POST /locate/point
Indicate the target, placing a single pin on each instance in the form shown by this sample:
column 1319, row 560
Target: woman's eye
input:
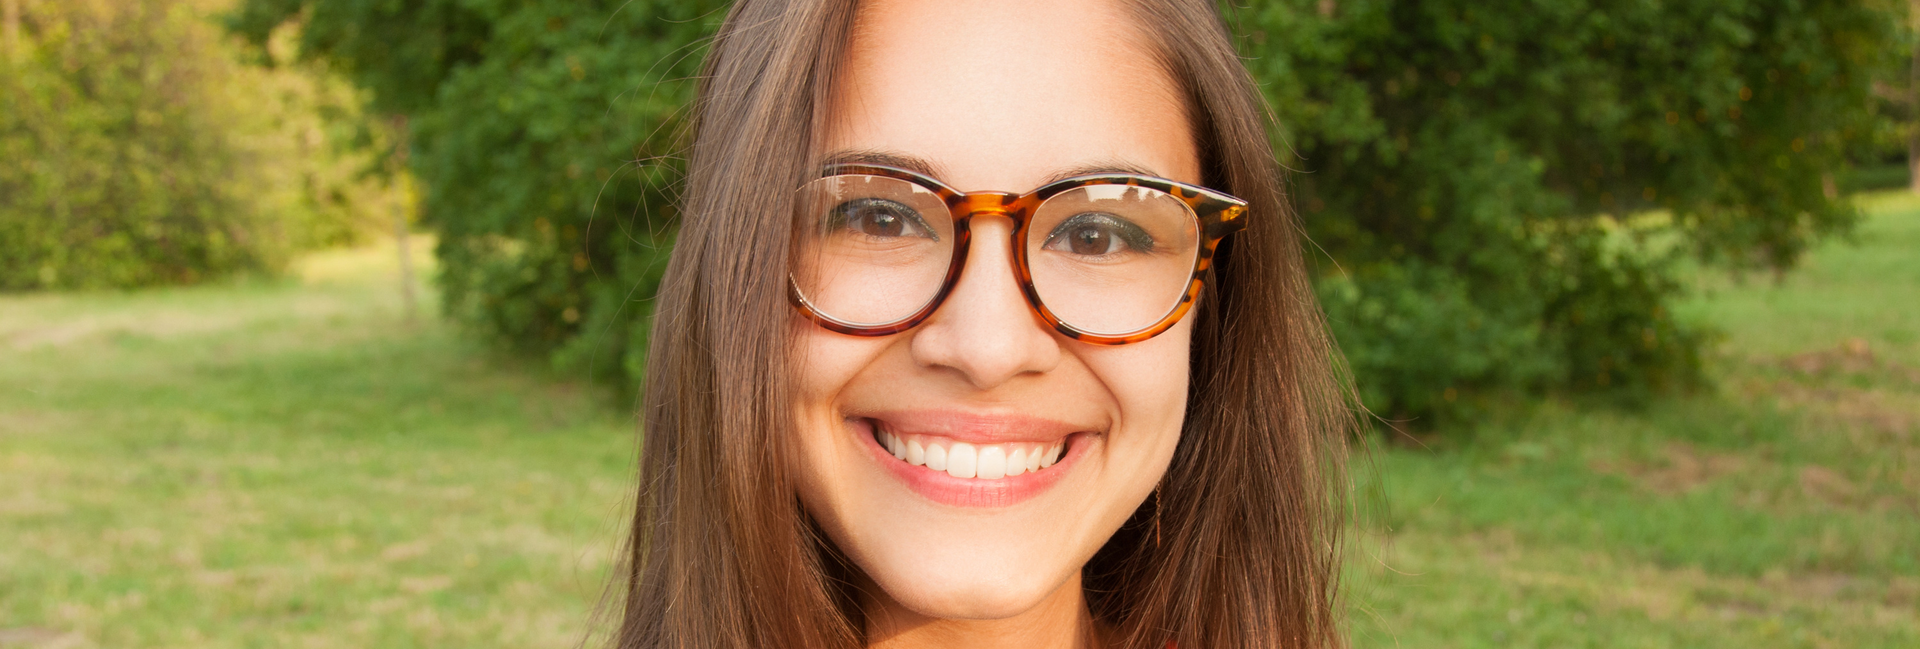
column 878, row 217
column 1095, row 234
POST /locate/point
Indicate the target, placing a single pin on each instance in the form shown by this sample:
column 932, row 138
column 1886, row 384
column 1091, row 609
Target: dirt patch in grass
column 1865, row 411
column 23, row 421
column 1839, row 378
column 1890, row 416
column 36, row 638
column 1853, row 357
column 1547, row 585
column 1827, row 486
column 1878, row 429
column 1681, row 468
column 1667, row 593
column 167, row 322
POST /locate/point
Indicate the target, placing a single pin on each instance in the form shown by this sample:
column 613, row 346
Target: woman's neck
column 1061, row 621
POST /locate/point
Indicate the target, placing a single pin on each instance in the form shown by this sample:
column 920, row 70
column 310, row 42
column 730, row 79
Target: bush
column 140, row 152
column 1502, row 187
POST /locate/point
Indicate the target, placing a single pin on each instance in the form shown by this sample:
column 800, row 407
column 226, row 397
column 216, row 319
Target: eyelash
column 840, row 218
column 1129, row 233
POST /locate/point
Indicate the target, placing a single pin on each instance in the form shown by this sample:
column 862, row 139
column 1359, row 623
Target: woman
column 890, row 404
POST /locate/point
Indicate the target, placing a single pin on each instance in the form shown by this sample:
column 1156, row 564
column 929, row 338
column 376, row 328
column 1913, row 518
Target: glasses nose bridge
column 1013, row 207
column 973, row 204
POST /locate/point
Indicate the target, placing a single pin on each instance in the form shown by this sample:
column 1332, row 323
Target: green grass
column 1781, row 508
column 289, row 463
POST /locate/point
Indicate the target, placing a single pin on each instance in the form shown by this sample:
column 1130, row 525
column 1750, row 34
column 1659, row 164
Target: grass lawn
column 1779, row 509
column 289, row 463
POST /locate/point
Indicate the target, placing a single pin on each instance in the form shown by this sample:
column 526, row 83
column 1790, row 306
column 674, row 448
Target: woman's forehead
column 1004, row 95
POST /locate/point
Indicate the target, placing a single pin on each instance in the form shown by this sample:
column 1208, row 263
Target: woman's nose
column 985, row 330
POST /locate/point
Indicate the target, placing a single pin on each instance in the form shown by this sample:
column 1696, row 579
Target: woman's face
column 992, row 96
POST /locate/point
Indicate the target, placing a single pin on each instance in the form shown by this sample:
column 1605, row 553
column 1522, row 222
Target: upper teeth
column 964, row 460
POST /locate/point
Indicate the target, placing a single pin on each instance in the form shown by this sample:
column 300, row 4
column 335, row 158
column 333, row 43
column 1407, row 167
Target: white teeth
column 993, row 463
column 966, row 460
column 962, row 460
column 937, row 457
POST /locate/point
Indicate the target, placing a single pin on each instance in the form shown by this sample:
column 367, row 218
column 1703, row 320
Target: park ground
column 292, row 463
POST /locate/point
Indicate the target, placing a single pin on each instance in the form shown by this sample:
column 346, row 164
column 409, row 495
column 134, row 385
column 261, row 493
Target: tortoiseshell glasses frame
column 1217, row 215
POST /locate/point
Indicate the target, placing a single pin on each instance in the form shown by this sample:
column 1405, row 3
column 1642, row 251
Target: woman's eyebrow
column 930, row 169
column 1099, row 168
column 893, row 159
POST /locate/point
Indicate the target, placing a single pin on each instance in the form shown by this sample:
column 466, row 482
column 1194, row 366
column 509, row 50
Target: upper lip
column 975, row 428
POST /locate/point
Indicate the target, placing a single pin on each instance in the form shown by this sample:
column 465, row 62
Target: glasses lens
column 1112, row 259
column 870, row 250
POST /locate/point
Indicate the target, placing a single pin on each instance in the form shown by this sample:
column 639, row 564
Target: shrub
column 1501, row 188
column 140, row 152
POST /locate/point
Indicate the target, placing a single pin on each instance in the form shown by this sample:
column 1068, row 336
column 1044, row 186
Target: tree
column 139, row 151
column 1501, row 187
column 543, row 138
column 1913, row 99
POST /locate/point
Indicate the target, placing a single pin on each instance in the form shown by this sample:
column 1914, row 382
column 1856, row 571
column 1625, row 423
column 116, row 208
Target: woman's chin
column 975, row 595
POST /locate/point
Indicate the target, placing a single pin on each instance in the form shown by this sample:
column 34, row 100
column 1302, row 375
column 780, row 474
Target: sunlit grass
column 1867, row 289
column 290, row 463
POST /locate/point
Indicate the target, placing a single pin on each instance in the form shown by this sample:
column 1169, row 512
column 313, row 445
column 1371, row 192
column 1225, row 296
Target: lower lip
column 945, row 489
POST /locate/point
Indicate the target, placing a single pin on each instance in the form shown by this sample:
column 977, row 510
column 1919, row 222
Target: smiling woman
column 987, row 326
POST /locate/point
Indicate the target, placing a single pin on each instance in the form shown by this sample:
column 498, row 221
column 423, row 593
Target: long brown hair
column 1238, row 548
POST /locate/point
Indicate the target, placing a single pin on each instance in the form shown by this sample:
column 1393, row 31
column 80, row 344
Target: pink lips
column 946, row 489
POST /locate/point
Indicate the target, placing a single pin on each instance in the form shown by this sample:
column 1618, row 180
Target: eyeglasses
column 1107, row 259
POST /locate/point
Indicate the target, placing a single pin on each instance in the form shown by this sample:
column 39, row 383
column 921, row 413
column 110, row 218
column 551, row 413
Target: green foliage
column 1895, row 117
column 139, row 151
column 1502, row 187
column 543, row 135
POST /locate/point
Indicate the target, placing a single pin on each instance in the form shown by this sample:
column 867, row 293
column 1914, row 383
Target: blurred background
column 320, row 321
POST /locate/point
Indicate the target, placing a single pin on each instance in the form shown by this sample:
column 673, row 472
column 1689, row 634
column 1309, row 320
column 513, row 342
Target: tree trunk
column 1913, row 99
column 400, row 226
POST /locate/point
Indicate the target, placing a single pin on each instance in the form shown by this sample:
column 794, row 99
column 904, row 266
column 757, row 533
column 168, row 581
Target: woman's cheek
column 1148, row 380
column 825, row 364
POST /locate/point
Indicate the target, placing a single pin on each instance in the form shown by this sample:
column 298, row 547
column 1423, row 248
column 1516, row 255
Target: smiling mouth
column 965, row 460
